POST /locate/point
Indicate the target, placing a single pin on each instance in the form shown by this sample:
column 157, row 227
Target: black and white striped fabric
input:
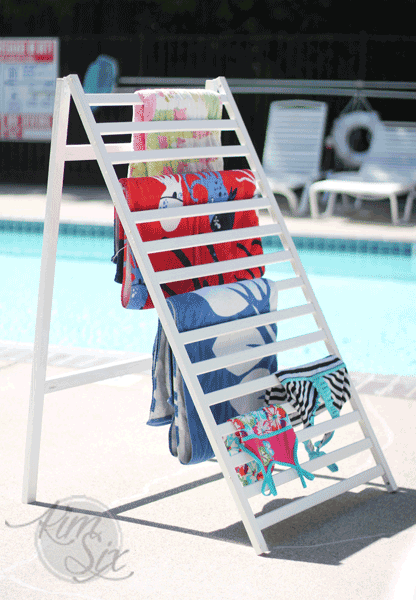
column 310, row 389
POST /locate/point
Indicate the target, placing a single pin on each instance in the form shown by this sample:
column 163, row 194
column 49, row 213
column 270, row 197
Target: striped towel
column 311, row 389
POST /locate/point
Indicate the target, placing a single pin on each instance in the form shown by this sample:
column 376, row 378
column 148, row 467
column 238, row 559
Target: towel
column 176, row 105
column 171, row 105
column 171, row 401
column 321, row 385
column 168, row 191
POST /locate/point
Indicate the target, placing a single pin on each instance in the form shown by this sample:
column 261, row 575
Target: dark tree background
column 66, row 17
column 292, row 39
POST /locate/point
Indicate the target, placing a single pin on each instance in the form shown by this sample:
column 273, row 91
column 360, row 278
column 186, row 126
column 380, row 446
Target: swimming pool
column 368, row 299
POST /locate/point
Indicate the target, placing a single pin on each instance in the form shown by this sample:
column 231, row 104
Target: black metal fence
column 371, row 58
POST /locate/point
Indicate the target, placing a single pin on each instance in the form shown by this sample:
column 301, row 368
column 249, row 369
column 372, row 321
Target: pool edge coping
column 375, row 384
column 309, row 241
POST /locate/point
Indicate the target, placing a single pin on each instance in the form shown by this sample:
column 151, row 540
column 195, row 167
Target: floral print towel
column 176, row 105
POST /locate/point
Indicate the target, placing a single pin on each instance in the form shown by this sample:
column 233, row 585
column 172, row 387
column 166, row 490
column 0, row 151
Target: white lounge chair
column 293, row 148
column 388, row 172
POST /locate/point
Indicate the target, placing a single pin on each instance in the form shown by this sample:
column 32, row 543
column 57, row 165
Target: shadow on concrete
column 325, row 534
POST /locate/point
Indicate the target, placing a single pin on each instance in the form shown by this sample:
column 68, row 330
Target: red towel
column 146, row 193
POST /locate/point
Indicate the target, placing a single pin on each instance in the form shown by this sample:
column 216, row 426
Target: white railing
column 324, row 87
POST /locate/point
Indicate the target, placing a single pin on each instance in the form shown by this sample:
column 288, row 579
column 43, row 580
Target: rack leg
column 47, row 275
column 376, row 450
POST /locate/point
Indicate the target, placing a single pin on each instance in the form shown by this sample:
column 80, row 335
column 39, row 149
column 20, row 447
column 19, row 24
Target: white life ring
column 345, row 125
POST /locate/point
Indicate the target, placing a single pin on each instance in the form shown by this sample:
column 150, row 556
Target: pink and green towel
column 176, row 105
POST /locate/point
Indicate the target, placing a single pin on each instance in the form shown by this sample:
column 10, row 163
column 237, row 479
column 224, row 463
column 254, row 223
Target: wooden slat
column 243, row 389
column 226, row 428
column 199, row 210
column 314, row 465
column 225, row 266
column 275, row 316
column 221, row 362
column 86, row 151
column 289, row 474
column 213, row 237
column 112, row 99
column 297, row 506
column 306, row 434
column 161, row 126
column 259, row 352
column 288, row 284
column 331, row 425
column 118, row 158
column 63, row 382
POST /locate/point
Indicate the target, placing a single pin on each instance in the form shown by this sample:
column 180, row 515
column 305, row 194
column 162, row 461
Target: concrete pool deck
column 179, row 524
column 93, row 205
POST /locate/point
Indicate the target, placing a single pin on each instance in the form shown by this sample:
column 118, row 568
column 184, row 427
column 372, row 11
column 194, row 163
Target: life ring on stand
column 355, row 127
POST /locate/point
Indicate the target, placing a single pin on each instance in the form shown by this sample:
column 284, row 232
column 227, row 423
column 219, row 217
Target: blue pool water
column 368, row 301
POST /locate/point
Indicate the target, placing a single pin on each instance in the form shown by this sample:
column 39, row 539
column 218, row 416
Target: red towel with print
column 169, row 191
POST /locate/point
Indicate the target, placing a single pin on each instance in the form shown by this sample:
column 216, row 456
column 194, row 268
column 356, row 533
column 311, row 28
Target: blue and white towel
column 171, row 401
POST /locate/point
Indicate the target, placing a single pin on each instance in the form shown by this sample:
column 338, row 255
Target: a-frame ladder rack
column 109, row 154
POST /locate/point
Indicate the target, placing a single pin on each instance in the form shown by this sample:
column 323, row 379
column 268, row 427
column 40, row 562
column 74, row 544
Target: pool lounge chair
column 107, row 155
column 293, row 148
column 387, row 173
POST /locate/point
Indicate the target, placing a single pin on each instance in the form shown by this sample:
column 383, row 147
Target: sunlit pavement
column 180, row 532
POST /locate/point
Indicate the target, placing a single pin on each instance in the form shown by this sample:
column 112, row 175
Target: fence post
column 363, row 46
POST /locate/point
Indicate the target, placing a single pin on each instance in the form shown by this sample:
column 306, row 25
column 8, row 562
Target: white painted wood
column 199, row 210
column 87, row 152
column 317, row 431
column 47, row 276
column 229, row 393
column 330, row 425
column 214, row 237
column 290, row 284
column 376, row 450
column 234, row 264
column 164, row 315
column 257, row 353
column 226, row 428
column 286, row 474
column 118, row 158
column 297, row 506
column 109, row 154
column 161, row 126
column 205, row 333
column 316, row 464
column 94, row 374
column 112, row 99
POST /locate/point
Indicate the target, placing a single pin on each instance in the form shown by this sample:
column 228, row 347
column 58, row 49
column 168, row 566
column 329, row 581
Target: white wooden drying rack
column 109, row 154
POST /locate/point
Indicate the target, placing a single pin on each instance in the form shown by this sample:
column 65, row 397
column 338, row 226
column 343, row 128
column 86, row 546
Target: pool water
column 368, row 301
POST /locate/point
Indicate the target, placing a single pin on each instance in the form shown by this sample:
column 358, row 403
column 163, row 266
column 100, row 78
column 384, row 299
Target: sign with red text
column 28, row 72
